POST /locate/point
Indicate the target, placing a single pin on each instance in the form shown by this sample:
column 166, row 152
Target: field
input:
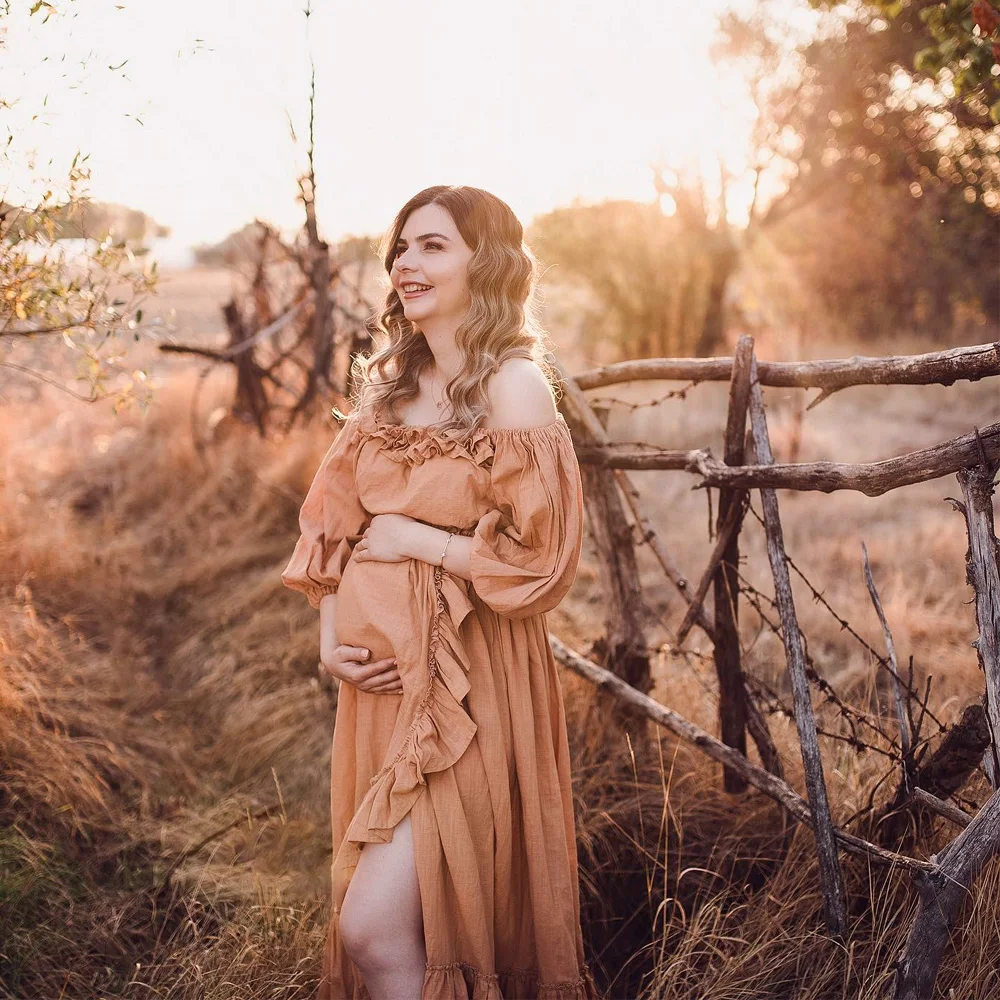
column 166, row 739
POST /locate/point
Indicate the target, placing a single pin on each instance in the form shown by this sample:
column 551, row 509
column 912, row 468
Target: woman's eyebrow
column 426, row 236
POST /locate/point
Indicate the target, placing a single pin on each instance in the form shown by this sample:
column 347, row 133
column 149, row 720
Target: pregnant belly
column 373, row 601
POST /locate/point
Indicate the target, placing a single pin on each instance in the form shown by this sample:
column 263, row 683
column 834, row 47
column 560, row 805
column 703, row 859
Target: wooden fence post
column 829, row 863
column 942, row 894
column 983, row 574
column 726, row 586
column 738, row 713
column 623, row 646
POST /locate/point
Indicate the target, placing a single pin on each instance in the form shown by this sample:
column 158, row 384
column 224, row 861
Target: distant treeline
column 85, row 218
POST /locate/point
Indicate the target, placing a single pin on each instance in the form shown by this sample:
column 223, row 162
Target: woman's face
column 431, row 252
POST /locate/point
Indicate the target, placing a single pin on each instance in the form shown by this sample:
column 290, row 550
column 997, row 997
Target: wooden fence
column 925, row 780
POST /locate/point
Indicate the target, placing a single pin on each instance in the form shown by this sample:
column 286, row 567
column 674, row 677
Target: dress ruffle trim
column 415, row 444
column 441, row 729
column 461, row 981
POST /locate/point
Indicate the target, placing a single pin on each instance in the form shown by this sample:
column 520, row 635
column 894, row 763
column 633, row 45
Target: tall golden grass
column 164, row 740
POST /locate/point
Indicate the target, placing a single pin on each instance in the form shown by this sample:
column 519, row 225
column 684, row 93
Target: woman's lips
column 415, row 294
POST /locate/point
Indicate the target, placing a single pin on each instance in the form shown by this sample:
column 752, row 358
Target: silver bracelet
column 445, row 549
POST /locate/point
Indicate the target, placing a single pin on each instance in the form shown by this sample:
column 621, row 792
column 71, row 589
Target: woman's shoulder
column 520, row 396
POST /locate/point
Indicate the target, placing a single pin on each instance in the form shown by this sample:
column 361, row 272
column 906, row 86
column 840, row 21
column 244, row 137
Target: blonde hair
column 501, row 321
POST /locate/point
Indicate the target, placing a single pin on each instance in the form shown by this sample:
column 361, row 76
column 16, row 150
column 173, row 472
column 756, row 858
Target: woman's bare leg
column 381, row 921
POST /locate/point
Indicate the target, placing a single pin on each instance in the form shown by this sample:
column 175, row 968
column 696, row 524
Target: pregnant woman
column 444, row 521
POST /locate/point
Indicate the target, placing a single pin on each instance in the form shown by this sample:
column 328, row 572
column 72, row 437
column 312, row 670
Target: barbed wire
column 765, row 695
column 845, row 625
column 658, row 401
column 848, row 712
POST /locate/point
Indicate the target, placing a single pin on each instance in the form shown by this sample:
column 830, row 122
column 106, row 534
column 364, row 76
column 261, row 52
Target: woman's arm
column 427, row 543
column 327, row 627
column 331, row 520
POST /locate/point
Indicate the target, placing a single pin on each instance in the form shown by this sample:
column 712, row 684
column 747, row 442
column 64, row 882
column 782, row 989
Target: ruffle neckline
column 415, row 443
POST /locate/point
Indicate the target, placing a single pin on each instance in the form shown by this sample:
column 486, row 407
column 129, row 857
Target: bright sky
column 540, row 102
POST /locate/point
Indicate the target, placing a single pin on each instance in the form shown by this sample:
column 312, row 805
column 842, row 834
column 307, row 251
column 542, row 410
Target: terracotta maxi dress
column 475, row 748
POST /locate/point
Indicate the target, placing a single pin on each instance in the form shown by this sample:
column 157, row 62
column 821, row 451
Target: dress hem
column 462, row 981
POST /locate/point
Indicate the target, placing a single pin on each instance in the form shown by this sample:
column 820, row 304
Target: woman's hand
column 387, row 538
column 394, row 537
column 347, row 663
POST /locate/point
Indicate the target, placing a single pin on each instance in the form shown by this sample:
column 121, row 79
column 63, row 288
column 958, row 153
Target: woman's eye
column 429, row 243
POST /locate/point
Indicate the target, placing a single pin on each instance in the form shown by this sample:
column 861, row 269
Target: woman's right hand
column 350, row 663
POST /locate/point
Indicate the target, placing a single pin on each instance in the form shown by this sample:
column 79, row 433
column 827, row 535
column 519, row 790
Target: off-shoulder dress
column 475, row 747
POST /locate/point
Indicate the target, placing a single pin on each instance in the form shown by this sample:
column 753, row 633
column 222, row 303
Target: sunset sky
column 540, row 103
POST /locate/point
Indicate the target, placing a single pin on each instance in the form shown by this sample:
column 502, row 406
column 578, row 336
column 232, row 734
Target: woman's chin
column 414, row 311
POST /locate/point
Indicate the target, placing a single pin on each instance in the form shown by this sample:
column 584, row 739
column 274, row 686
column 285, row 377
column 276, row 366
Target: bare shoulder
column 520, row 396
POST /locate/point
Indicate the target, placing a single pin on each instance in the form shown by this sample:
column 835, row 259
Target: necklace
column 438, row 403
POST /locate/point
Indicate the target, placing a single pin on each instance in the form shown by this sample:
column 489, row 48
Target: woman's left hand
column 384, row 540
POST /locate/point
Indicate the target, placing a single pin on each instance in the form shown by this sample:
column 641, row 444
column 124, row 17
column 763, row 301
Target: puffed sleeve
column 331, row 520
column 526, row 549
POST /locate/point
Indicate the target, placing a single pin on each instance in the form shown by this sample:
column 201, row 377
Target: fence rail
column 871, row 478
column 938, row 367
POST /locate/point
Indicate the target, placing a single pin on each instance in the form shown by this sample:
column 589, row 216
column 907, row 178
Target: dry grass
column 157, row 683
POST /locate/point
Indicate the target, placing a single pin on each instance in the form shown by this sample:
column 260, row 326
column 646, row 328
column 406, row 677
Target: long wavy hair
column 501, row 321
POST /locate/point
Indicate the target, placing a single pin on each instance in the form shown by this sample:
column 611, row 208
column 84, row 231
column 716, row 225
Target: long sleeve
column 331, row 521
column 526, row 550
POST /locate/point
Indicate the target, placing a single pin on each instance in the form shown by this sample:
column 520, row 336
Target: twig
column 904, row 728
